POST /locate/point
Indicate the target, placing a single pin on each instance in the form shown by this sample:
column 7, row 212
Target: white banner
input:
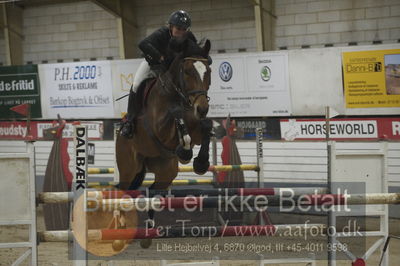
column 76, row 90
column 123, row 73
column 344, row 129
column 95, row 129
column 250, row 85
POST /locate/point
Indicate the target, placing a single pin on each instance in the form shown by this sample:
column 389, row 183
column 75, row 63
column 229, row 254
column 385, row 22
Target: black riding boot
column 128, row 126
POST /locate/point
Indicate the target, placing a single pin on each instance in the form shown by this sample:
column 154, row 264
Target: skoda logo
column 225, row 71
column 265, row 73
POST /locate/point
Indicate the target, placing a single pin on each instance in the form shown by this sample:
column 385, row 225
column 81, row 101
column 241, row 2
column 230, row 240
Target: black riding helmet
column 180, row 18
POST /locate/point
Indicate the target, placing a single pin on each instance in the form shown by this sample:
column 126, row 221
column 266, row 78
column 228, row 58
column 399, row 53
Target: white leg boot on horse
column 184, row 149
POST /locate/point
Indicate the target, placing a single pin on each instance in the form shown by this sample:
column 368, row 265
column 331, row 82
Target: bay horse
column 173, row 120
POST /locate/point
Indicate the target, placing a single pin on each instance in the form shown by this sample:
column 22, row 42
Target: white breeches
column 142, row 73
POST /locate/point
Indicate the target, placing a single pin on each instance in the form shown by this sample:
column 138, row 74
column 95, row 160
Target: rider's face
column 178, row 31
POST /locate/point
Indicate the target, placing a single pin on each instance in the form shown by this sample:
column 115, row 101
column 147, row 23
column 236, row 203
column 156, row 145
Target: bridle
column 184, row 95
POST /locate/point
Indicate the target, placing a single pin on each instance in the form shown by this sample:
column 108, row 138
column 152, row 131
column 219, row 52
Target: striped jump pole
column 223, row 168
column 260, row 201
column 187, row 169
column 202, row 192
column 181, row 232
column 147, row 183
column 61, row 197
column 100, row 170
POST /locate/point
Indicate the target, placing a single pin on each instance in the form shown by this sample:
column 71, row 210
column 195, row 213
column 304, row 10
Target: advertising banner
column 77, row 90
column 341, row 129
column 372, row 78
column 250, row 85
column 123, row 73
column 17, row 130
column 270, row 126
column 245, row 128
column 19, row 85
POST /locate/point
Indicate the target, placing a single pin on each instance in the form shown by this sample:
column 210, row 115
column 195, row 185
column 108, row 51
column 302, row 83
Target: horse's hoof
column 118, row 245
column 200, row 167
column 183, row 154
column 183, row 162
column 145, row 243
column 127, row 130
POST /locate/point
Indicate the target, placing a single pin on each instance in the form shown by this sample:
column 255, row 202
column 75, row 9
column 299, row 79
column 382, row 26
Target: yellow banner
column 372, row 78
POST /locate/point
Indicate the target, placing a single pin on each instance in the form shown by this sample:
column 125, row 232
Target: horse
column 173, row 120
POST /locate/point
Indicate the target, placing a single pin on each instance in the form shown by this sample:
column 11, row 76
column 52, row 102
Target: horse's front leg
column 201, row 162
column 184, row 150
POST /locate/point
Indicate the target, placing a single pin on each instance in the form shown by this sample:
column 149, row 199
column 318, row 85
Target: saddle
column 137, row 101
column 143, row 93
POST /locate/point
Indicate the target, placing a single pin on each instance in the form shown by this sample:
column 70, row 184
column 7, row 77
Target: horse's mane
column 186, row 47
column 179, row 48
column 193, row 49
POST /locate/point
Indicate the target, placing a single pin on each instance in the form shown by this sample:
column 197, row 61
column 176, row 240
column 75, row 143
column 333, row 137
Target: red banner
column 341, row 129
column 17, row 130
column 389, row 128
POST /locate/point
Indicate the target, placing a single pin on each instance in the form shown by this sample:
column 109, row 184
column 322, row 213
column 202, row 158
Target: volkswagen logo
column 225, row 71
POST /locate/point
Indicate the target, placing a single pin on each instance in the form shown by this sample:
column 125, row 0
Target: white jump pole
column 214, row 157
column 331, row 219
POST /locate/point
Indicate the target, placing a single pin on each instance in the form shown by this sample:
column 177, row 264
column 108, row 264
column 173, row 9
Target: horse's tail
column 138, row 180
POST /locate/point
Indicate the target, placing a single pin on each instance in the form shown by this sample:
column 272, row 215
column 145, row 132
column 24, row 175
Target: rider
column 154, row 48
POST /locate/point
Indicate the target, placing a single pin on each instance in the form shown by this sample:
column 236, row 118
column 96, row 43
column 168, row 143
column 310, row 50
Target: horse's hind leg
column 165, row 171
column 131, row 174
column 130, row 164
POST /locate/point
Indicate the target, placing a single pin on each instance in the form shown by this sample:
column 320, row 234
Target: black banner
column 246, row 128
column 19, row 85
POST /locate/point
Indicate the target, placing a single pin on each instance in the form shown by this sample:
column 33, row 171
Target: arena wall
column 338, row 22
column 75, row 31
column 228, row 23
column 2, row 51
column 85, row 31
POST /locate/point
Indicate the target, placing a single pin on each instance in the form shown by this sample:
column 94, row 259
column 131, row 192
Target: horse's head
column 195, row 77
